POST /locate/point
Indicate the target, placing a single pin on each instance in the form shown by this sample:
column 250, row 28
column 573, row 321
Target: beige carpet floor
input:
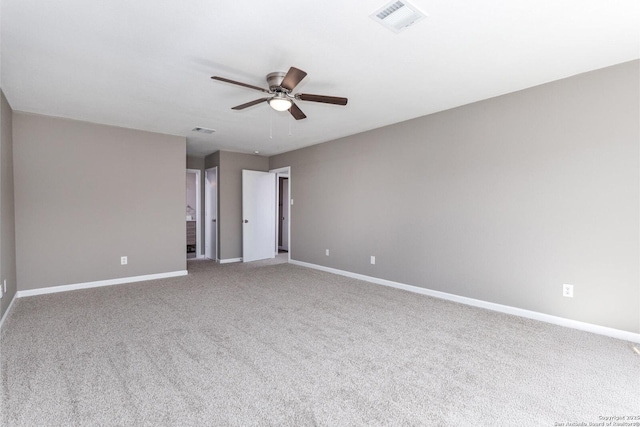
column 276, row 344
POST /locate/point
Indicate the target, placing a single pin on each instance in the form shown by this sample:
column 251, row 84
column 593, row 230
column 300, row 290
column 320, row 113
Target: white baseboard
column 229, row 260
column 99, row 283
column 560, row 321
column 6, row 313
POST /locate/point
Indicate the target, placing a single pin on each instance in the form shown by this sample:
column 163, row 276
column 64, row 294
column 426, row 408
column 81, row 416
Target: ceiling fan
column 280, row 97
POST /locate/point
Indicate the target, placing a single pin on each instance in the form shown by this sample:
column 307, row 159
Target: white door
column 258, row 215
column 284, row 223
column 211, row 214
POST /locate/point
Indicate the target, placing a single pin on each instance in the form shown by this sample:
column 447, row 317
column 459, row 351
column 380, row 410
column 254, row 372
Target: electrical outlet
column 123, row 260
column 567, row 291
column 4, row 285
column 326, row 252
column 373, row 259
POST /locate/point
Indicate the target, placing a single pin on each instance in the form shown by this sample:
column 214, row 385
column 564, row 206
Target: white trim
column 99, row 283
column 229, row 260
column 547, row 318
column 6, row 313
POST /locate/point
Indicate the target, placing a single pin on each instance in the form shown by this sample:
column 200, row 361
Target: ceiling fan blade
column 222, row 79
column 322, row 98
column 296, row 112
column 249, row 104
column 293, row 77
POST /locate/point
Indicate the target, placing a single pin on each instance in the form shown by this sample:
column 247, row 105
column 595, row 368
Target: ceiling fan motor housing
column 274, row 80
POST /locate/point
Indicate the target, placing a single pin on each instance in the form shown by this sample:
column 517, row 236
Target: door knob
column 246, row 221
column 213, row 220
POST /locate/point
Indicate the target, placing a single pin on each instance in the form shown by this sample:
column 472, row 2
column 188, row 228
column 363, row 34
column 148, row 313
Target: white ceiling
column 147, row 64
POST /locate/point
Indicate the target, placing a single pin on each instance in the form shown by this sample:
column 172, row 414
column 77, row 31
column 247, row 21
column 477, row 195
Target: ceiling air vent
column 397, row 16
column 203, row 130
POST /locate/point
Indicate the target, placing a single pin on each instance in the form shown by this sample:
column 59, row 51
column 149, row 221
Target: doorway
column 283, row 205
column 211, row 214
column 266, row 210
column 259, row 215
column 193, row 219
column 283, row 214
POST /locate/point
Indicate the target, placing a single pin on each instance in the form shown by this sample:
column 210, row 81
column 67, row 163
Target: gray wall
column 503, row 200
column 7, row 214
column 230, row 166
column 212, row 160
column 86, row 194
column 195, row 163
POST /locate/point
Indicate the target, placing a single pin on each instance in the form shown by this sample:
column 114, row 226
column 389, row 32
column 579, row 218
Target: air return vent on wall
column 397, row 16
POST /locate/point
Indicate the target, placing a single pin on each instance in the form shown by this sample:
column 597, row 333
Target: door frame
column 198, row 174
column 207, row 198
column 284, row 172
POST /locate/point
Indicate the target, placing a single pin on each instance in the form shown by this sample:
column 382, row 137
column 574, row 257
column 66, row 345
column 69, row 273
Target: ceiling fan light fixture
column 280, row 103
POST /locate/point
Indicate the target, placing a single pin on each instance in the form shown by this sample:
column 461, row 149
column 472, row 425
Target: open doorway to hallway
column 193, row 219
column 283, row 214
column 283, row 206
